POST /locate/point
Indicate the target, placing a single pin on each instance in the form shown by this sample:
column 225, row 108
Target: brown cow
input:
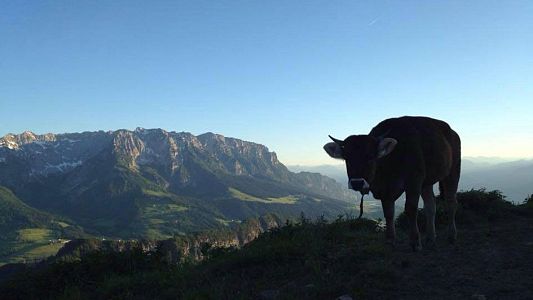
column 407, row 154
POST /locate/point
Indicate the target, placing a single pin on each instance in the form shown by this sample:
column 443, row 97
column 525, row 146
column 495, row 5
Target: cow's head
column 360, row 152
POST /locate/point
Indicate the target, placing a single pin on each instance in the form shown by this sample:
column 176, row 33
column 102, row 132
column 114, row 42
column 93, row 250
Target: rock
column 478, row 297
column 344, row 297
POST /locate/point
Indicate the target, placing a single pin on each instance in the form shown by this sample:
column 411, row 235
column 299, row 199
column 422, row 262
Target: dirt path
column 486, row 263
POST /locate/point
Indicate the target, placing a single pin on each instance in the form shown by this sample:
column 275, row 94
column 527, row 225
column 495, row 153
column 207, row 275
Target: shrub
column 474, row 206
column 441, row 218
column 481, row 200
column 528, row 202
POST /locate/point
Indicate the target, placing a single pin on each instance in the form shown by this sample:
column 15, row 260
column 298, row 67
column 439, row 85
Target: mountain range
column 513, row 177
column 151, row 183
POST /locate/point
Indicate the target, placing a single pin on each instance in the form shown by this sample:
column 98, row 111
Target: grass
column 284, row 200
column 30, row 244
column 62, row 224
column 156, row 221
column 162, row 213
column 246, row 197
column 154, row 233
column 163, row 209
column 154, row 193
column 243, row 196
column 159, row 219
column 227, row 223
column 223, row 221
column 24, row 231
column 38, row 252
column 35, row 234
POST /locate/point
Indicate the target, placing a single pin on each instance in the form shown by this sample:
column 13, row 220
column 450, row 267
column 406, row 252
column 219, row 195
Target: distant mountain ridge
column 49, row 154
column 513, row 177
column 155, row 183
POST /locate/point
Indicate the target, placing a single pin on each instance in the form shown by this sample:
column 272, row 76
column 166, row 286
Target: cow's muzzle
column 359, row 184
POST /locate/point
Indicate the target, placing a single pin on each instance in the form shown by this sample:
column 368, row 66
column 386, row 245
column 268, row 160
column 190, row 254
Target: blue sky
column 281, row 73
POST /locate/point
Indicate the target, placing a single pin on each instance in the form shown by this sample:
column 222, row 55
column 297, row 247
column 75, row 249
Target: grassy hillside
column 141, row 209
column 27, row 233
column 15, row 214
column 109, row 199
column 316, row 260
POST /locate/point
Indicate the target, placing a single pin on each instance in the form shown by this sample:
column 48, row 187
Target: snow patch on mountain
column 64, row 166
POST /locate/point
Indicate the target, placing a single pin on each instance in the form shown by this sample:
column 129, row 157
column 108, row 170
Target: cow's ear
column 334, row 150
column 386, row 146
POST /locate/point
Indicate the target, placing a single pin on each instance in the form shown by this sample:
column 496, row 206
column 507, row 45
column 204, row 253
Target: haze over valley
column 514, row 177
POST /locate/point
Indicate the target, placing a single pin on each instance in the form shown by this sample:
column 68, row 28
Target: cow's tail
column 450, row 184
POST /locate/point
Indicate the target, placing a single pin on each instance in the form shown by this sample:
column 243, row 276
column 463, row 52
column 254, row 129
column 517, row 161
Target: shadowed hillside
column 493, row 258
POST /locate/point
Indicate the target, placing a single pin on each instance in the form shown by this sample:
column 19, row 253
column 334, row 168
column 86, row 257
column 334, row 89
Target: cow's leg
column 388, row 212
column 430, row 211
column 452, row 209
column 449, row 190
column 411, row 210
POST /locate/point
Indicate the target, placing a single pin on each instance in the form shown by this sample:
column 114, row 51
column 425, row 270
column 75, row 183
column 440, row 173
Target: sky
column 281, row 73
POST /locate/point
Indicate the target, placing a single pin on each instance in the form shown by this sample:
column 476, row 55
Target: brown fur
column 428, row 151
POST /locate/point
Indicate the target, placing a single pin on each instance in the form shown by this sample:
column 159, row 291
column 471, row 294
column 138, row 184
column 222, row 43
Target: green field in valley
column 30, row 244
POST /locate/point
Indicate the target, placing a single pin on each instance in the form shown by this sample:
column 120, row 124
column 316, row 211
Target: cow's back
column 424, row 145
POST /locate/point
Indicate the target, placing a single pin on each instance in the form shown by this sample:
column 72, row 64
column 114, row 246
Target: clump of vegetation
column 528, row 202
column 491, row 203
column 474, row 206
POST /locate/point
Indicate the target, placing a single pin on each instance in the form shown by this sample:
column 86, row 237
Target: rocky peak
column 15, row 141
column 152, row 131
column 241, row 157
column 27, row 137
column 217, row 143
column 9, row 141
column 160, row 147
column 127, row 147
column 187, row 139
column 180, row 154
column 50, row 153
